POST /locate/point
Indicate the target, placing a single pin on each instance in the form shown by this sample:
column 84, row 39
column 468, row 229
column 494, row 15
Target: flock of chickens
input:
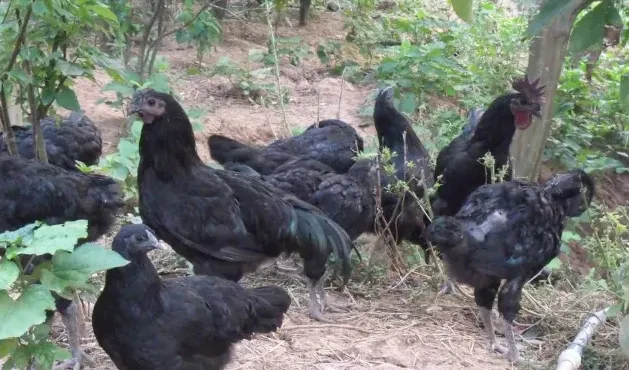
column 310, row 194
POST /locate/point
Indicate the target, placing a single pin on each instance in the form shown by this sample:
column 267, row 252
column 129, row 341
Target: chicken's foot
column 513, row 353
column 70, row 320
column 315, row 309
column 325, row 305
column 446, row 288
column 485, row 315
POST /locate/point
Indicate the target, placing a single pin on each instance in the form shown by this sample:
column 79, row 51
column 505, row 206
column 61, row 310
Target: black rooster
column 145, row 323
column 332, row 142
column 459, row 163
column 508, row 231
column 33, row 191
column 75, row 138
column 224, row 223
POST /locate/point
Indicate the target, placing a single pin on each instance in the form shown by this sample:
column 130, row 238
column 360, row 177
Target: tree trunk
column 546, row 58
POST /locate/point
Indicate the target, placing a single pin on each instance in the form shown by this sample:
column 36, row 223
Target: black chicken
column 224, row 223
column 332, row 142
column 33, row 191
column 508, row 231
column 75, row 138
column 459, row 163
column 347, row 199
column 411, row 161
column 145, row 323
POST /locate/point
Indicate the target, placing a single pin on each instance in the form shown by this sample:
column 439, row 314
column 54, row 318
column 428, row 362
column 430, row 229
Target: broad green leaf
column 73, row 269
column 623, row 336
column 614, row 310
column 554, row 264
column 66, row 98
column 9, row 272
column 39, row 8
column 624, row 91
column 47, row 96
column 613, row 16
column 21, row 75
column 16, row 317
column 69, row 69
column 463, row 8
column 103, row 11
column 49, row 239
column 7, row 346
column 127, row 148
column 15, row 237
column 549, row 11
column 408, row 104
column 589, row 30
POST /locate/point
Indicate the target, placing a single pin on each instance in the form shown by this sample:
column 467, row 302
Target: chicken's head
column 148, row 104
column 134, row 240
column 528, row 103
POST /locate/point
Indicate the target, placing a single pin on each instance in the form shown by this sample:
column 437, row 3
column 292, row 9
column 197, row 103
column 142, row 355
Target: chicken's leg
column 70, row 319
column 315, row 307
column 485, row 315
column 324, row 300
column 513, row 354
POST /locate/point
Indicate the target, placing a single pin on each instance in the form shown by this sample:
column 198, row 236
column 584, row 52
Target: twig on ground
column 324, row 326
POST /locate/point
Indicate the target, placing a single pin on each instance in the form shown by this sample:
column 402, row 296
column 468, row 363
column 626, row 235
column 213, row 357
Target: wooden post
column 546, row 58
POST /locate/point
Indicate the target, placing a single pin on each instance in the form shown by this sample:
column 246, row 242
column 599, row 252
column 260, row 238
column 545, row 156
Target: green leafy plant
column 202, row 29
column 24, row 302
column 46, row 47
column 250, row 84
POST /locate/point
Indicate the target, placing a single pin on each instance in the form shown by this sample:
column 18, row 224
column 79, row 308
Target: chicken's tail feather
column 447, row 235
column 269, row 304
column 320, row 235
column 224, row 149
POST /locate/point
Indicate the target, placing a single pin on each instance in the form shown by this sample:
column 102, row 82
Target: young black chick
column 189, row 323
column 226, row 224
column 508, row 231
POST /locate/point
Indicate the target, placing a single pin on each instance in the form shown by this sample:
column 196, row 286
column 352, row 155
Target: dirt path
column 383, row 330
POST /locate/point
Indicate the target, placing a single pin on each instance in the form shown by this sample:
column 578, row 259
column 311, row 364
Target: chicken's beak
column 152, row 242
column 536, row 113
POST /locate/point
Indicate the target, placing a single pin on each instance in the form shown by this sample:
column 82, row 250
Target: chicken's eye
column 151, row 102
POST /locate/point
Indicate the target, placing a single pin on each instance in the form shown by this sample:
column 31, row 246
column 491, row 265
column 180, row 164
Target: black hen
column 224, row 223
column 348, row 199
column 75, row 138
column 411, row 161
column 33, row 191
column 333, row 142
column 459, row 163
column 508, row 231
column 145, row 323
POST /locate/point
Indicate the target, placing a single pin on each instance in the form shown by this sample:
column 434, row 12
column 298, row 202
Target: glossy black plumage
column 348, row 199
column 191, row 323
column 33, row 191
column 333, row 142
column 396, row 133
column 459, row 163
column 508, row 231
column 225, row 223
column 75, row 138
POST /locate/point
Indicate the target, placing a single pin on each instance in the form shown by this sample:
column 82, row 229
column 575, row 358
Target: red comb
column 531, row 90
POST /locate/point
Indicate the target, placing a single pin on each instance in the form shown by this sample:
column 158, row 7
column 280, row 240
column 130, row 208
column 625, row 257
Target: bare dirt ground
column 391, row 325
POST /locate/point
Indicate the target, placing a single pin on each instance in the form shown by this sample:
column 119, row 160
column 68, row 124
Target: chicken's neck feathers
column 496, row 127
column 133, row 280
column 168, row 146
